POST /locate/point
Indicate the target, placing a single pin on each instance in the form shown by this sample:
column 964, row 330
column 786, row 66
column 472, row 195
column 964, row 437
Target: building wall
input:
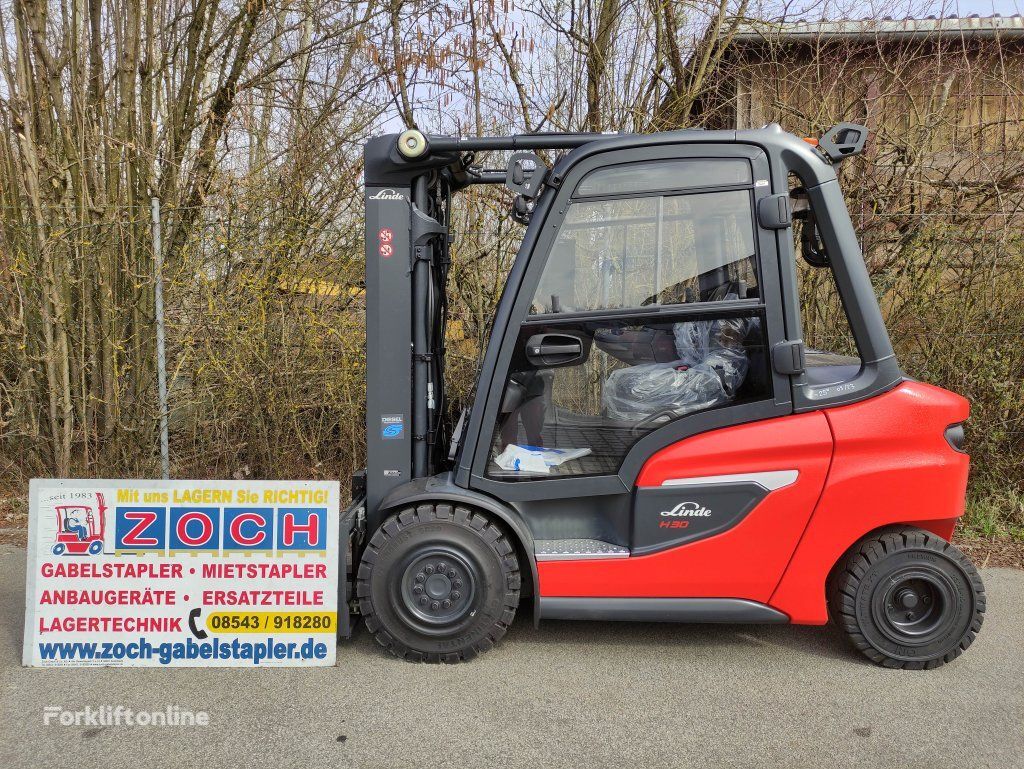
column 946, row 98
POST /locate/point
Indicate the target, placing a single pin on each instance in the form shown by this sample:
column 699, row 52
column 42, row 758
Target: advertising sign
column 181, row 573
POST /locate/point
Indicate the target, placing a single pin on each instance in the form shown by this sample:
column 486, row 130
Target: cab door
column 644, row 315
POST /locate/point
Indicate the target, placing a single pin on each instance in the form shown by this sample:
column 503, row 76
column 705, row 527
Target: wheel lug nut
column 429, row 569
column 417, row 589
column 456, row 595
column 447, row 604
column 910, row 615
column 435, row 605
column 457, row 584
column 423, row 601
column 451, row 574
column 420, row 577
column 441, row 567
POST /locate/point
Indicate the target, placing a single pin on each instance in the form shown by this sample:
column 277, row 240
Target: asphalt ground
column 566, row 695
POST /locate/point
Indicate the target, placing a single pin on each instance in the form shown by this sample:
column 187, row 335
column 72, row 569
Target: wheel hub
column 913, row 607
column 908, row 599
column 438, row 587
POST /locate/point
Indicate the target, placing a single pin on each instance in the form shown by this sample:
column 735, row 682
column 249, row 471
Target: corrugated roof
column 958, row 26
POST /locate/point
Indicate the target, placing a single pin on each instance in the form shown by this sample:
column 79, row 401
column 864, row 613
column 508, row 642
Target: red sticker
column 386, row 250
column 385, row 235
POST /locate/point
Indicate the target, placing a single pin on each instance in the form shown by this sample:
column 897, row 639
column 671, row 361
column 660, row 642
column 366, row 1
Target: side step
column 577, row 549
column 737, row 610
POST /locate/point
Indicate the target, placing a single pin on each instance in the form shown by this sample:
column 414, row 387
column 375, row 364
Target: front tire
column 438, row 584
column 908, row 599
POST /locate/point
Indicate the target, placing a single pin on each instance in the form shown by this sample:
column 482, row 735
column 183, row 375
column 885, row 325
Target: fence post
column 161, row 359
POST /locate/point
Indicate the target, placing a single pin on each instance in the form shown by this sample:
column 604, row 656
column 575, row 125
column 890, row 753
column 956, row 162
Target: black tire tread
column 487, row 531
column 873, row 548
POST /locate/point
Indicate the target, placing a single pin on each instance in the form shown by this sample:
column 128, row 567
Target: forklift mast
column 407, row 257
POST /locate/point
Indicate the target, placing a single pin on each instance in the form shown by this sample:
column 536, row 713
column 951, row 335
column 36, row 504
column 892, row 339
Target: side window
column 644, row 251
column 831, row 350
column 584, row 385
column 707, row 248
column 604, row 257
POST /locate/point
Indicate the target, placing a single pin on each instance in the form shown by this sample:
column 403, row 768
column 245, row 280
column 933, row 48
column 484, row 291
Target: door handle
column 558, row 349
column 546, row 350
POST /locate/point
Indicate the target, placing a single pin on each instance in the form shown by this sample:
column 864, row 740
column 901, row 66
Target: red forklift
column 650, row 438
column 80, row 531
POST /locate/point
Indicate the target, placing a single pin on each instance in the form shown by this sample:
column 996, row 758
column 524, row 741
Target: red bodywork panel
column 882, row 461
column 891, row 464
column 743, row 562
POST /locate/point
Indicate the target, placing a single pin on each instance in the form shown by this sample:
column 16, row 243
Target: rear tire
column 907, row 599
column 438, row 584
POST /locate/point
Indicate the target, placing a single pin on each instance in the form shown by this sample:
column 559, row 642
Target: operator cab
column 76, row 520
column 654, row 295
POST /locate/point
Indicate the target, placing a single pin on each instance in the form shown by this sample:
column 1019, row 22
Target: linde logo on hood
column 388, row 194
column 687, row 510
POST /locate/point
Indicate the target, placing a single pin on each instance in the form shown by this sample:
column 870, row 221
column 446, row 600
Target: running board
column 736, row 610
column 577, row 549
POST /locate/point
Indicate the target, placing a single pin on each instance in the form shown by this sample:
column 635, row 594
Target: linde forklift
column 650, row 438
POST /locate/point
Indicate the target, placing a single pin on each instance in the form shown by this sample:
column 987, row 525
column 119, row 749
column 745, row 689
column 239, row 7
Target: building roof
column 950, row 26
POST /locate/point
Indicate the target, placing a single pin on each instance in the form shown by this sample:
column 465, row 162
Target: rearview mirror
column 812, row 250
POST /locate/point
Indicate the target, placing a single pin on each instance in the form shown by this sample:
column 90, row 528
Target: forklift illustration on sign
column 650, row 439
column 80, row 531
